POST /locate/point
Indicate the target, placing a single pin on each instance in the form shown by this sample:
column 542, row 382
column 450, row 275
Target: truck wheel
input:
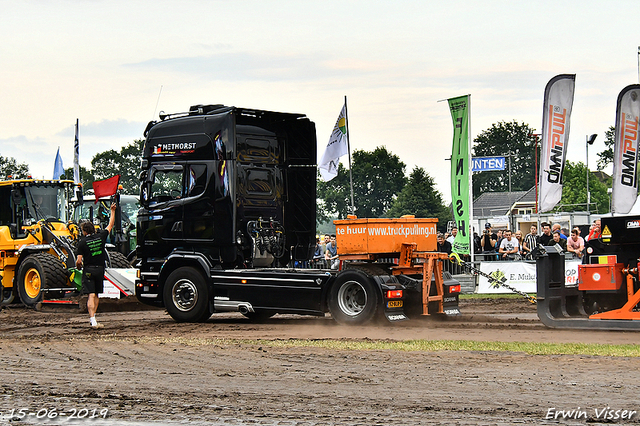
column 39, row 271
column 118, row 260
column 186, row 296
column 354, row 298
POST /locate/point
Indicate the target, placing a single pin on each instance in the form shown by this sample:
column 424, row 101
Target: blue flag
column 58, row 168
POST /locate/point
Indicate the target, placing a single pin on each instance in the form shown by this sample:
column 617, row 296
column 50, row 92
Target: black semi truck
column 228, row 202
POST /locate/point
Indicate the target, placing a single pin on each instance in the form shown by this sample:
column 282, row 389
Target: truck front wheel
column 186, row 296
column 354, row 298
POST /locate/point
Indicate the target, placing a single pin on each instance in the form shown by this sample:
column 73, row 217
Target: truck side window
column 166, row 185
column 197, row 179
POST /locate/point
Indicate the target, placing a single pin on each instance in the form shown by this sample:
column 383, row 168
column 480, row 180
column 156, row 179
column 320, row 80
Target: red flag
column 106, row 188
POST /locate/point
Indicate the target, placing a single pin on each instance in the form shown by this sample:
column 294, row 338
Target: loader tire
column 117, row 260
column 354, row 298
column 186, row 295
column 37, row 272
column 8, row 296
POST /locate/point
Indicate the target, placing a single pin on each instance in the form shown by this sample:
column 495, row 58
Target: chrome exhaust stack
column 225, row 305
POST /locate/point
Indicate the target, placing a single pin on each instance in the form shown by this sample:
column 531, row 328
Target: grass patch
column 531, row 348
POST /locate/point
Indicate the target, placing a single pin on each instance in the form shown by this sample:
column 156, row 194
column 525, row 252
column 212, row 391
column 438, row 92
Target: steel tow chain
column 455, row 258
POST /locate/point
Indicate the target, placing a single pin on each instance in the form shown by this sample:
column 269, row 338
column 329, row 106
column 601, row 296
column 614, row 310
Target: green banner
column 460, row 169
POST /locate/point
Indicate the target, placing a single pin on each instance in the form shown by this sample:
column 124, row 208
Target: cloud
column 262, row 66
column 119, row 128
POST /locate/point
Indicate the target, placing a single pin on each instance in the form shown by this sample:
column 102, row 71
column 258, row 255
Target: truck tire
column 118, row 260
column 38, row 271
column 354, row 298
column 186, row 296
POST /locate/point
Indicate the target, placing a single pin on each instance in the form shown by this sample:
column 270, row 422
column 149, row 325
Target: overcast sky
column 105, row 62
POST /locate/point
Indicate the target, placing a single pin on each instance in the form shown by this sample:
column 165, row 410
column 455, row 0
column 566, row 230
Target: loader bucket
column 560, row 306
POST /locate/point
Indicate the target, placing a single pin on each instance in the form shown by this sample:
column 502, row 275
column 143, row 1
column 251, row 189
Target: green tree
column 574, row 192
column 501, row 139
column 606, row 157
column 86, row 177
column 125, row 163
column 378, row 177
column 10, row 167
column 419, row 197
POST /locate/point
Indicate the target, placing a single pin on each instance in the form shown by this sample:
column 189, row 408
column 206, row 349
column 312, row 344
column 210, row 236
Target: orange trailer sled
column 410, row 240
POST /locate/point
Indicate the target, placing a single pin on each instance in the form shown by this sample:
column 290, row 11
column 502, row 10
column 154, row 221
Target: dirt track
column 144, row 367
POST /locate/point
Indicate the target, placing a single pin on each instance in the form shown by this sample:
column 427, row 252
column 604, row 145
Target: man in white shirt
column 452, row 237
column 509, row 246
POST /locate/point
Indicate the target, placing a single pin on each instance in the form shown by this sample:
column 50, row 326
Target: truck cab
column 226, row 188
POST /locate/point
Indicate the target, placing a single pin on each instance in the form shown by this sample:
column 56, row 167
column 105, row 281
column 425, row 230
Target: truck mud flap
column 560, row 306
column 452, row 311
column 396, row 316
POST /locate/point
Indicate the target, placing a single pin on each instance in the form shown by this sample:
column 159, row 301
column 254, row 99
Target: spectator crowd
column 508, row 245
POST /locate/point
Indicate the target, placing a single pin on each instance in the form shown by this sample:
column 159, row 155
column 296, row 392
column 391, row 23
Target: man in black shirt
column 91, row 253
column 444, row 246
column 557, row 239
column 546, row 238
column 488, row 241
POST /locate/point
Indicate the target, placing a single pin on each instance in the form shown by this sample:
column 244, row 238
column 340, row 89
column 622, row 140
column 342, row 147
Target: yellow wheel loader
column 37, row 243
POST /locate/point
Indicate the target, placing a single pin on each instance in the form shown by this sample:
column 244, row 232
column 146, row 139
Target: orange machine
column 607, row 296
column 410, row 240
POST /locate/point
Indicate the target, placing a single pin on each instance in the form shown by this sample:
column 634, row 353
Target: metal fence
column 468, row 279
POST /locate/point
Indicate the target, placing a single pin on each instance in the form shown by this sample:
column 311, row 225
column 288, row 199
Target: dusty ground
column 138, row 370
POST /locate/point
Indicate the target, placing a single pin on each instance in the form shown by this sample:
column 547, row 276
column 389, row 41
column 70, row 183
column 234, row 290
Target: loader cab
column 25, row 202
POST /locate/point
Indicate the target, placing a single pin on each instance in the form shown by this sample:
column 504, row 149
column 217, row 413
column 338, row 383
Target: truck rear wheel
column 37, row 272
column 354, row 298
column 186, row 295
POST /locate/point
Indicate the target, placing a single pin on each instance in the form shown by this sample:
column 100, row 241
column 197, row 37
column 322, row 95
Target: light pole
column 590, row 140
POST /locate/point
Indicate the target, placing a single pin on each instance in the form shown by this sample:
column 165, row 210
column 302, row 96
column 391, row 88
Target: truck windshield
column 166, row 185
column 46, row 202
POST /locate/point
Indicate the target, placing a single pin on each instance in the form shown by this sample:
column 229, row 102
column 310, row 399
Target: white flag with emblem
column 76, row 155
column 336, row 148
